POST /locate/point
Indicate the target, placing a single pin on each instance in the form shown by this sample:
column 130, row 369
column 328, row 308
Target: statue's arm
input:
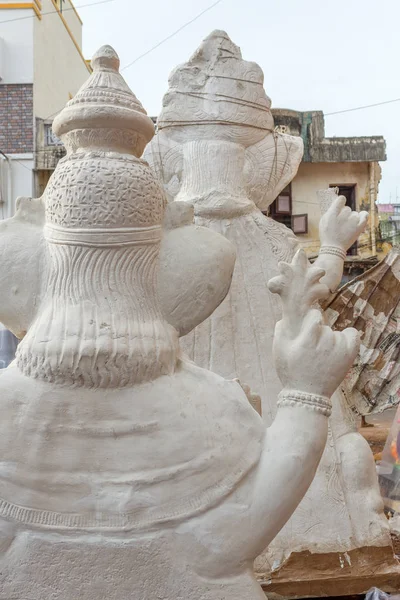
column 333, row 267
column 339, row 228
column 311, row 361
column 23, row 265
column 189, row 294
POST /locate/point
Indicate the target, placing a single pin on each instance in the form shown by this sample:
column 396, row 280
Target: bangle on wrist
column 334, row 251
column 321, row 404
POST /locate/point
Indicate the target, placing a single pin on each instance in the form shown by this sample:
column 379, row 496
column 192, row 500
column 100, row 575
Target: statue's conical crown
column 216, row 86
column 105, row 102
column 102, row 185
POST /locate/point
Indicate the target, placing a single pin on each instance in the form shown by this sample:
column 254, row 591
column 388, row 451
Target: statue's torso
column 124, row 459
column 126, row 481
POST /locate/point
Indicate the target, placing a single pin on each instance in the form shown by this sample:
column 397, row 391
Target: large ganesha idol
column 126, row 471
column 217, row 149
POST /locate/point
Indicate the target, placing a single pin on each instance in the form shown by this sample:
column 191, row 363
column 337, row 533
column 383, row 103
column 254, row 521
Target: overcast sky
column 316, row 55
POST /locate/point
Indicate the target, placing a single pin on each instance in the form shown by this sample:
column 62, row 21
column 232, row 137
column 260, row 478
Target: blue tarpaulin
column 8, row 346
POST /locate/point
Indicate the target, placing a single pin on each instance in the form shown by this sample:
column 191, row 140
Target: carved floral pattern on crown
column 102, row 183
column 86, row 192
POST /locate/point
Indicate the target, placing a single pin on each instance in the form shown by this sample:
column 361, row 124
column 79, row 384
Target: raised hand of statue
column 340, row 226
column 309, row 356
column 300, row 287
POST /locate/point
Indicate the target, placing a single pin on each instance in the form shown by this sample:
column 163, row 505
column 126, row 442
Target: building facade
column 41, row 68
column 389, row 224
column 349, row 164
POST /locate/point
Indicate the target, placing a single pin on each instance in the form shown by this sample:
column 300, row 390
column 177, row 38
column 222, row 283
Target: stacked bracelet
column 334, row 250
column 321, row 404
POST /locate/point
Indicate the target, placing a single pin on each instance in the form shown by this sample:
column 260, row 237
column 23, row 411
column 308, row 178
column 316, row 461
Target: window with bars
column 50, row 138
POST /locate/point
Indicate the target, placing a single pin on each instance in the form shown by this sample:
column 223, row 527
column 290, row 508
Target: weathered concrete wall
column 318, row 148
column 312, row 177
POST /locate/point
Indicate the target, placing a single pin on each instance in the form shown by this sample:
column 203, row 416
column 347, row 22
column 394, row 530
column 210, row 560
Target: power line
column 339, row 112
column 53, row 114
column 10, row 157
column 55, row 12
column 171, row 35
column 156, row 45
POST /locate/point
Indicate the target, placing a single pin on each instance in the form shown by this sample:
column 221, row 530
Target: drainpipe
column 372, row 210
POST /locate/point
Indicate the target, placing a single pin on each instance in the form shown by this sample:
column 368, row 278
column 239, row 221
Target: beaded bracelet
column 321, row 404
column 334, row 251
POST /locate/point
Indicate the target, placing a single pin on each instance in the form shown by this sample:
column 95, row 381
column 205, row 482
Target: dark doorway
column 349, row 192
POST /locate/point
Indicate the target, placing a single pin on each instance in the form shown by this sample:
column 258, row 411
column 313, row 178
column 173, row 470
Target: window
column 281, row 208
column 300, row 224
column 349, row 192
column 281, row 211
column 50, row 138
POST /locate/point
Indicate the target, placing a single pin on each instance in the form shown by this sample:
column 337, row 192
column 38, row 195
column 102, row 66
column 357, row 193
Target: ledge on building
column 310, row 125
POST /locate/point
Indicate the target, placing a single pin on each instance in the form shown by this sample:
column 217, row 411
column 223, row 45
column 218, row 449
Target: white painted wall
column 59, row 69
column 16, row 46
column 21, row 183
column 312, row 177
column 22, row 171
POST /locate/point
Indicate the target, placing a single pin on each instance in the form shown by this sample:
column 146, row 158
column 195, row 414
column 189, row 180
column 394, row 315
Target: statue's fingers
column 346, row 211
column 300, row 259
column 353, row 341
column 282, row 333
column 315, row 274
column 363, row 220
column 285, row 269
column 337, row 205
column 353, row 221
column 320, row 291
column 348, row 342
column 276, row 285
column 311, row 327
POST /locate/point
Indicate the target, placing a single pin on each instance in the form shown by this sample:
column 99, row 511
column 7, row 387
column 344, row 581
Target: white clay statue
column 126, row 471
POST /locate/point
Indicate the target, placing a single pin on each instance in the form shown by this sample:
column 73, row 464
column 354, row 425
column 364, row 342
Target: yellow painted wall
column 312, row 177
column 59, row 67
column 73, row 20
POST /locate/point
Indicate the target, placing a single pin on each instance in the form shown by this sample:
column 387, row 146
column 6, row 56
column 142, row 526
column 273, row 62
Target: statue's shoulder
column 16, row 389
column 9, row 378
column 212, row 388
column 191, row 391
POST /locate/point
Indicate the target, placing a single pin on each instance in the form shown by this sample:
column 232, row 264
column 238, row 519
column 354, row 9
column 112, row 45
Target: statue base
column 94, row 567
column 306, row 575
